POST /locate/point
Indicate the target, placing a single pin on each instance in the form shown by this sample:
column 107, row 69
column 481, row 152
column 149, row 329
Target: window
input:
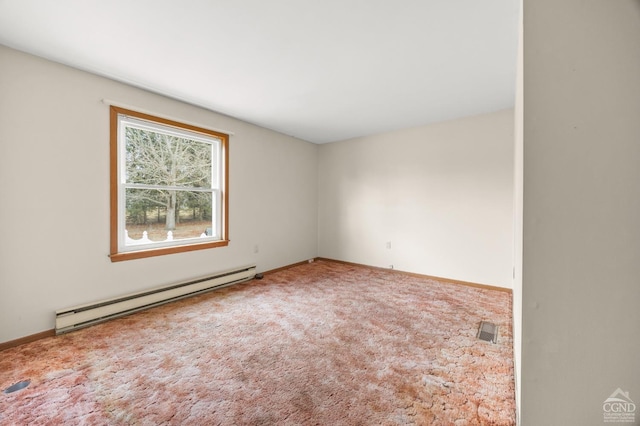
column 169, row 186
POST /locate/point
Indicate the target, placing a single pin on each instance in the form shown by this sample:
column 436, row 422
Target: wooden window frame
column 116, row 255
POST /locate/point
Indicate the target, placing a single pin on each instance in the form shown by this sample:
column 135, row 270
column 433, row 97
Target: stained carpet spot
column 18, row 386
column 488, row 332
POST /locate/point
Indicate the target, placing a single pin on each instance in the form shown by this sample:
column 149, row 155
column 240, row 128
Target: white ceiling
column 320, row 70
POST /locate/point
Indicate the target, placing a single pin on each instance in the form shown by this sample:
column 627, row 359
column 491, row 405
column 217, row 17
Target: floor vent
column 488, row 332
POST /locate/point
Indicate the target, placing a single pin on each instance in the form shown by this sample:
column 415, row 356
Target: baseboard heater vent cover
column 86, row 315
column 488, row 332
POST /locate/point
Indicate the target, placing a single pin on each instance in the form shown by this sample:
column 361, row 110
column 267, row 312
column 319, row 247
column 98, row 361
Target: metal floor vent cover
column 488, row 332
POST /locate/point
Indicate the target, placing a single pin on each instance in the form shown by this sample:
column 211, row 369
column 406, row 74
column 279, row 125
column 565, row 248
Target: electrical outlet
column 256, row 248
column 389, row 244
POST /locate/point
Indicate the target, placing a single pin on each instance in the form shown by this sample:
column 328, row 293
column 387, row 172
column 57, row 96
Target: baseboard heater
column 85, row 315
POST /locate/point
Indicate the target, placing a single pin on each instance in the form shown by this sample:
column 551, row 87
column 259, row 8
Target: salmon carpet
column 318, row 344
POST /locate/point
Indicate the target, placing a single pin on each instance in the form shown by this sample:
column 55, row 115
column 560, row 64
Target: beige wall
column 441, row 194
column 517, row 217
column 54, row 174
column 581, row 272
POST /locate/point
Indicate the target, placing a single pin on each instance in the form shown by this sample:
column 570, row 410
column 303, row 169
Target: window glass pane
column 187, row 214
column 215, row 160
column 154, row 158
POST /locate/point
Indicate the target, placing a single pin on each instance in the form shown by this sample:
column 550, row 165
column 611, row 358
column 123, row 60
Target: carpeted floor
column 319, row 344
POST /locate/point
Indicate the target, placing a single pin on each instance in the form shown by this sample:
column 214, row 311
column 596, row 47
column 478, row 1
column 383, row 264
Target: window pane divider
column 168, row 188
